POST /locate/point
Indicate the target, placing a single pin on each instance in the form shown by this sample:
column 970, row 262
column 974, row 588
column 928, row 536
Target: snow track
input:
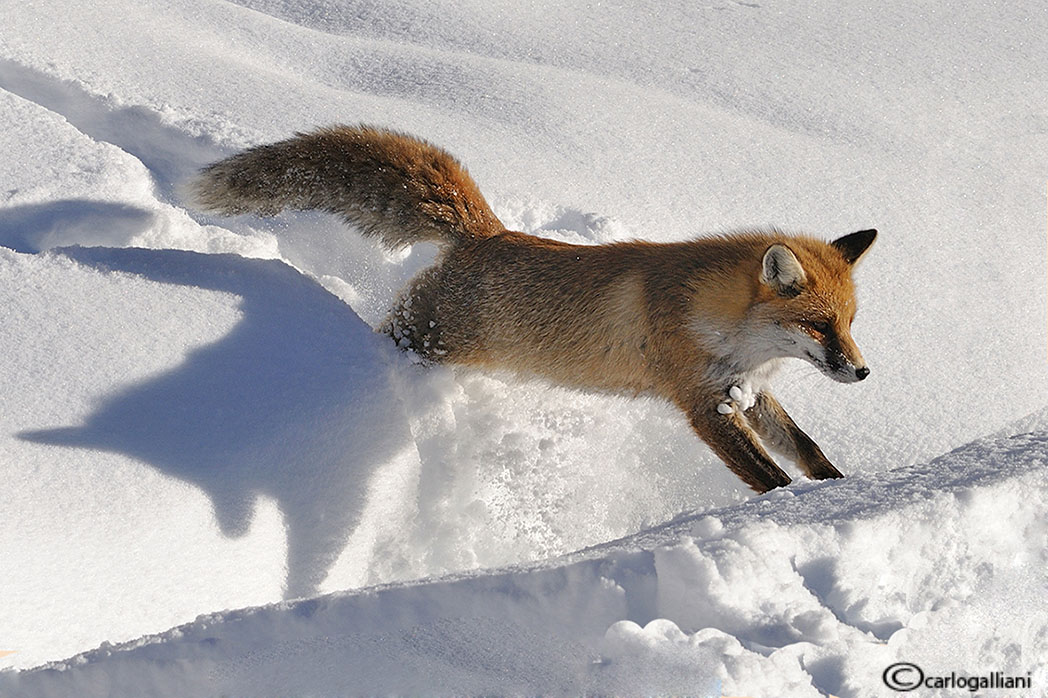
column 170, row 154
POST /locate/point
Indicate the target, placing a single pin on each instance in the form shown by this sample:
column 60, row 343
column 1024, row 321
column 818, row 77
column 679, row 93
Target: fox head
column 807, row 298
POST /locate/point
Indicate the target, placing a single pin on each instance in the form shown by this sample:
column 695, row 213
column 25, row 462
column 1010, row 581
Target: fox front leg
column 778, row 430
column 734, row 441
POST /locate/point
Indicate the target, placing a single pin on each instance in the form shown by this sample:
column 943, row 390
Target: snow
column 814, row 589
column 197, row 416
column 742, row 397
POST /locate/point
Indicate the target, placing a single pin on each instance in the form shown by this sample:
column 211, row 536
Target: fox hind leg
column 414, row 323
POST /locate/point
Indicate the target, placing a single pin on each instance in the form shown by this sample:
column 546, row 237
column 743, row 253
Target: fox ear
column 781, row 270
column 854, row 246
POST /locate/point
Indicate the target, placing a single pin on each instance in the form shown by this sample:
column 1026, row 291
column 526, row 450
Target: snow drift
column 805, row 592
column 197, row 416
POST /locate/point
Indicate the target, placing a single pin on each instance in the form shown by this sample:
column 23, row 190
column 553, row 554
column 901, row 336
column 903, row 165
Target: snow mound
column 808, row 592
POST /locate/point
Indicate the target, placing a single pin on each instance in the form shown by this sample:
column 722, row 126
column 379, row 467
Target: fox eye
column 818, row 326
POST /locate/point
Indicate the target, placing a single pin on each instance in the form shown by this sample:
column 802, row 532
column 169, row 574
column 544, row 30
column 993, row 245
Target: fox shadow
column 35, row 227
column 295, row 403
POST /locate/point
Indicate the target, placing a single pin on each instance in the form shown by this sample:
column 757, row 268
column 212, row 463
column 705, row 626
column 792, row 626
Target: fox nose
column 861, row 373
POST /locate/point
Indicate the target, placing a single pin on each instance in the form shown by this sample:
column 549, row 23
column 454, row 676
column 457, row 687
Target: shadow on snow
column 33, row 228
column 295, row 403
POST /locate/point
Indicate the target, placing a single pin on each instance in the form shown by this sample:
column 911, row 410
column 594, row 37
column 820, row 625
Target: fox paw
column 741, row 398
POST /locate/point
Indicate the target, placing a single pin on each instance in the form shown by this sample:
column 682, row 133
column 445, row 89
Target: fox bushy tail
column 389, row 185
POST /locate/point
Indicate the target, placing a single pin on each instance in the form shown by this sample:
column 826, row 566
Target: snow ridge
column 781, row 602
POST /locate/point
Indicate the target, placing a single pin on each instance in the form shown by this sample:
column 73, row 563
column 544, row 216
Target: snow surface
column 198, row 417
column 810, row 590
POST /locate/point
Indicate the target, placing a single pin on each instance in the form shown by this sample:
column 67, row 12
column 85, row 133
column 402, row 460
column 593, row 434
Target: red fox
column 702, row 323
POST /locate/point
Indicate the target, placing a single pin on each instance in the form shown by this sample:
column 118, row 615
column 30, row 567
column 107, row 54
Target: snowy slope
column 803, row 593
column 207, row 422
